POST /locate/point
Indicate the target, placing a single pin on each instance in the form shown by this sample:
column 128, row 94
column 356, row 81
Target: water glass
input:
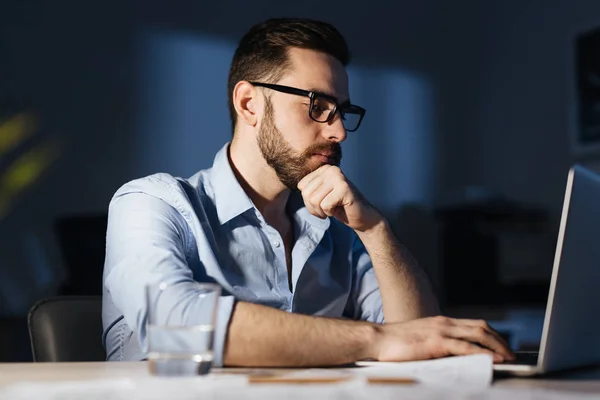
column 180, row 327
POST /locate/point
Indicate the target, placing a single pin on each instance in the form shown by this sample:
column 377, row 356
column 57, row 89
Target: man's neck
column 259, row 181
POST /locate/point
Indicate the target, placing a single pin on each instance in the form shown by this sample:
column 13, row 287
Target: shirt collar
column 230, row 198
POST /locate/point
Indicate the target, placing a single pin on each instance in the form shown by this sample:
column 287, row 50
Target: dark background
column 469, row 133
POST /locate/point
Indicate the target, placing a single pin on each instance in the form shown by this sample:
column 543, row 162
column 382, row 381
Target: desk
column 47, row 372
column 587, row 381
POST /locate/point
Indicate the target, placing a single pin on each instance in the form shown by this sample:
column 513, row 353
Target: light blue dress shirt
column 167, row 229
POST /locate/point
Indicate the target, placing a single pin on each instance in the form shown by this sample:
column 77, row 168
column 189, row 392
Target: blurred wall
column 69, row 65
column 458, row 94
column 518, row 139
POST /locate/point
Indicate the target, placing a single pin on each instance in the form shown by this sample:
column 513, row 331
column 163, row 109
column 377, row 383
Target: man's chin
column 314, row 165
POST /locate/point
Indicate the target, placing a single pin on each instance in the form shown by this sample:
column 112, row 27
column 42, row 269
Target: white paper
column 474, row 371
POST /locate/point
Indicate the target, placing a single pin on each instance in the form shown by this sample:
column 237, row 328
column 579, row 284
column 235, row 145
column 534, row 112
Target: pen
column 314, row 380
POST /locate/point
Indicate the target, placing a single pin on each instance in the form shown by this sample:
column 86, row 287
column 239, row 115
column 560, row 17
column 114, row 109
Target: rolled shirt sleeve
column 146, row 244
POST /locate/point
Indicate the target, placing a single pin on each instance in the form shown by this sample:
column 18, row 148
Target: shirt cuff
column 225, row 308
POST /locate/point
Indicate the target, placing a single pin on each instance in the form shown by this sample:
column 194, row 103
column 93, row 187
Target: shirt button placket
column 280, row 262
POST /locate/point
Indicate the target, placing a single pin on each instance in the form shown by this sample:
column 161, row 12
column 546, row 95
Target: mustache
column 328, row 148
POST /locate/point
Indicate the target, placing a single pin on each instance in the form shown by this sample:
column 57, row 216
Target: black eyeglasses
column 323, row 107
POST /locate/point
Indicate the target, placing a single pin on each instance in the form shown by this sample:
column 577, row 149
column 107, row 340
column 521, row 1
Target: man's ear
column 245, row 101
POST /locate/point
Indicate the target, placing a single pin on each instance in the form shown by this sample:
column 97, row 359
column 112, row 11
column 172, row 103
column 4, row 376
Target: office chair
column 66, row 328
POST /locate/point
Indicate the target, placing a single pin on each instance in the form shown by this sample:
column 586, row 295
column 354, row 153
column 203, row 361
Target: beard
column 289, row 165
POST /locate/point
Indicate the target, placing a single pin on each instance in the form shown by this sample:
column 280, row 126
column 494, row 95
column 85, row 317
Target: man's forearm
column 405, row 290
column 264, row 336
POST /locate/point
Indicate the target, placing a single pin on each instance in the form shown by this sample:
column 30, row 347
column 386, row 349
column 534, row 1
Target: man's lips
column 329, row 158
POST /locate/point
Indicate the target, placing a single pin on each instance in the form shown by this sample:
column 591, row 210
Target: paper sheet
column 474, row 371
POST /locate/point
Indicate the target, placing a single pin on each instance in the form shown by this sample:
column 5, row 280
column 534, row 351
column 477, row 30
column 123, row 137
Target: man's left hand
column 328, row 193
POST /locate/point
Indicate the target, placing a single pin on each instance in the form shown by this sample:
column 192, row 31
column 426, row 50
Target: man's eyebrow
column 327, row 93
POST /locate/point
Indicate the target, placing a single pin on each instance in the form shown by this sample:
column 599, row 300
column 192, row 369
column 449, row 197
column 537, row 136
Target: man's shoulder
column 165, row 186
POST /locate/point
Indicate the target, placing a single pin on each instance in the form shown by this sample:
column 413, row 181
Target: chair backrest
column 67, row 328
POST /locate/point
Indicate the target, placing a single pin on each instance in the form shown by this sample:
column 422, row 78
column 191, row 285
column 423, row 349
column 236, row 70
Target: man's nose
column 335, row 131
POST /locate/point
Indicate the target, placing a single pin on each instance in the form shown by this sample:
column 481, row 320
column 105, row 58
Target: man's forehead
column 317, row 72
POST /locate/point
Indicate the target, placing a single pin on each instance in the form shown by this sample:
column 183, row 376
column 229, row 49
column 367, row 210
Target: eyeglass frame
column 312, row 95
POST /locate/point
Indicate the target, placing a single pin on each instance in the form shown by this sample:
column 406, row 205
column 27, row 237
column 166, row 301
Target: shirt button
column 277, row 243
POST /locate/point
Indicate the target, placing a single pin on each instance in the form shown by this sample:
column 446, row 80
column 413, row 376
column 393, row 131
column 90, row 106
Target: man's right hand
column 436, row 337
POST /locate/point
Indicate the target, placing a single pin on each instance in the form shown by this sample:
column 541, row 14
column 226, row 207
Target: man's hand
column 328, row 193
column 437, row 337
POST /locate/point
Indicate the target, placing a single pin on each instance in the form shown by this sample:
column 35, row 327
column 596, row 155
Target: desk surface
column 587, row 381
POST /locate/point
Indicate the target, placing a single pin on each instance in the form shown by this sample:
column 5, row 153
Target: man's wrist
column 368, row 333
column 375, row 232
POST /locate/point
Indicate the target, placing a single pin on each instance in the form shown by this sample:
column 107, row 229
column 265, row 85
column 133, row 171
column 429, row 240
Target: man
column 310, row 271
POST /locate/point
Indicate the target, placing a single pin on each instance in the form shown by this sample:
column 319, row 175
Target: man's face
column 290, row 141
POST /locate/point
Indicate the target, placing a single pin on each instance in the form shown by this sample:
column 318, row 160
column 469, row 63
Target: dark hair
column 262, row 53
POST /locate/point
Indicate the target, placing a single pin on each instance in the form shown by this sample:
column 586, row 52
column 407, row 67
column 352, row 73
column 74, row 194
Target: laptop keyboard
column 524, row 358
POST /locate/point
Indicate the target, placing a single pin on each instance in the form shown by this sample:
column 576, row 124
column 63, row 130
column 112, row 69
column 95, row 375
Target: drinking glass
column 180, row 327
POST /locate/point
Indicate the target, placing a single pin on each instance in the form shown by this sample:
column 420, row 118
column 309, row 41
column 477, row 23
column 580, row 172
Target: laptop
column 571, row 332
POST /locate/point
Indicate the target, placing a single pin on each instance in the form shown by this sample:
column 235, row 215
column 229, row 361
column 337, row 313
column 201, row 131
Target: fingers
column 316, row 173
column 313, row 194
column 440, row 337
column 323, row 191
column 324, row 200
column 333, row 200
column 478, row 333
column 311, row 186
column 462, row 348
column 486, row 326
column 314, row 202
column 479, row 336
